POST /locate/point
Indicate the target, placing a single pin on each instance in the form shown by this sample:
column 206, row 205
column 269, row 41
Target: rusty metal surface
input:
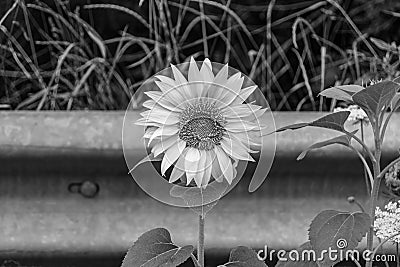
column 43, row 153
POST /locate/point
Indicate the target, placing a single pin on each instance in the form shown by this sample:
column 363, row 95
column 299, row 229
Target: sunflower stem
column 375, row 190
column 200, row 247
column 196, row 263
column 367, row 180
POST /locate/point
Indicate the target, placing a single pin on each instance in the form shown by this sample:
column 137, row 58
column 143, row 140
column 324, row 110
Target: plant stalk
column 200, row 247
column 367, row 181
column 375, row 190
column 195, row 262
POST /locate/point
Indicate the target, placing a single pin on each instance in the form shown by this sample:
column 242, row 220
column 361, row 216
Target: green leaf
column 336, row 94
column 376, row 98
column 395, row 104
column 244, row 257
column 334, row 121
column 330, row 227
column 350, row 88
column 343, row 92
column 344, row 140
column 307, row 261
column 293, row 126
column 155, row 248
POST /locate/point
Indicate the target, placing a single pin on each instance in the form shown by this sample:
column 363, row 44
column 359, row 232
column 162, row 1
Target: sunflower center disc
column 201, row 125
column 202, row 133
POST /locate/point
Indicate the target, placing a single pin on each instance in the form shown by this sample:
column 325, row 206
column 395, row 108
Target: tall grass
column 53, row 57
column 66, row 65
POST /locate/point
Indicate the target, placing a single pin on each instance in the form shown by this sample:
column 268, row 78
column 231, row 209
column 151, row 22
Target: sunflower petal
column 200, row 168
column 149, row 104
column 244, row 94
column 235, row 150
column 178, row 170
column 225, row 164
column 191, row 163
column 147, row 123
column 241, row 126
column 216, row 171
column 249, row 139
column 217, row 88
column 163, row 145
column 164, row 87
column 171, row 155
column 169, row 102
column 245, row 143
column 160, row 115
column 240, row 111
column 206, row 71
column 182, row 83
column 233, row 85
column 222, row 76
column 155, row 95
column 207, row 168
column 260, row 112
column 170, row 92
column 178, row 76
column 195, row 78
column 148, row 133
column 166, row 80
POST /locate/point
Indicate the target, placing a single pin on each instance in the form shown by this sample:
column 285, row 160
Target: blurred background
column 87, row 54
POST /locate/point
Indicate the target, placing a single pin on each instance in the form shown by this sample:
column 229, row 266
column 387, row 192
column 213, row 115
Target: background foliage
column 64, row 55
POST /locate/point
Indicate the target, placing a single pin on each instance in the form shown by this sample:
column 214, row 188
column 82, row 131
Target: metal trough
column 67, row 198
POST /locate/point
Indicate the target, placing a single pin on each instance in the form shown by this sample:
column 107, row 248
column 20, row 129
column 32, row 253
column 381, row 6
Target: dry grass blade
column 80, row 84
column 269, row 45
column 203, row 29
column 323, row 66
column 233, row 14
column 256, row 60
column 11, row 9
column 16, row 56
column 59, row 18
column 306, row 80
column 294, row 28
column 299, row 13
column 141, row 61
column 55, row 57
column 354, row 26
column 394, row 14
column 97, row 39
column 122, row 9
column 24, row 55
column 29, row 31
column 60, row 61
column 33, row 98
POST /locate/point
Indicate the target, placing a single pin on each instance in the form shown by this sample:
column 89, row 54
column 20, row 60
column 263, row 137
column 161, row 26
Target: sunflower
column 201, row 125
